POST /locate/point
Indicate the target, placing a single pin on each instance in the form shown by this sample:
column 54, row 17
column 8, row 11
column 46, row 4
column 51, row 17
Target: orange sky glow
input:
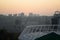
column 42, row 7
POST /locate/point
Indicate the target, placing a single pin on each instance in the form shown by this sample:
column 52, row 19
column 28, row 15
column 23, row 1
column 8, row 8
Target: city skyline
column 42, row 7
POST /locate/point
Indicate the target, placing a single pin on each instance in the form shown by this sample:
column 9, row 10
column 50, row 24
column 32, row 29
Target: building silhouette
column 14, row 14
column 9, row 14
column 55, row 19
column 21, row 14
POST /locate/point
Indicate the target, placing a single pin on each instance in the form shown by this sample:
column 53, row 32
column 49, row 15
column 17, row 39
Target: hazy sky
column 43, row 7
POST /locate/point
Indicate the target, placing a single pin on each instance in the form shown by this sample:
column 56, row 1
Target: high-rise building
column 56, row 19
column 9, row 14
column 14, row 14
column 30, row 14
column 57, row 13
column 21, row 14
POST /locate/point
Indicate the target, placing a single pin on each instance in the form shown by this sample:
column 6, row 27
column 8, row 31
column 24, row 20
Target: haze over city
column 42, row 7
column 29, row 19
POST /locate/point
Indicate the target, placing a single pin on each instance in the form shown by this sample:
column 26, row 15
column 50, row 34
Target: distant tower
column 30, row 14
column 9, row 14
column 57, row 13
column 21, row 14
column 14, row 14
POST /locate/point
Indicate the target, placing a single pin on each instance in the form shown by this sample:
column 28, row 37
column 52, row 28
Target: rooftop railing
column 42, row 28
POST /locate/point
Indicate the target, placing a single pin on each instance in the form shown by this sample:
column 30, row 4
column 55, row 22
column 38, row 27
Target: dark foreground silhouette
column 51, row 36
column 4, row 35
